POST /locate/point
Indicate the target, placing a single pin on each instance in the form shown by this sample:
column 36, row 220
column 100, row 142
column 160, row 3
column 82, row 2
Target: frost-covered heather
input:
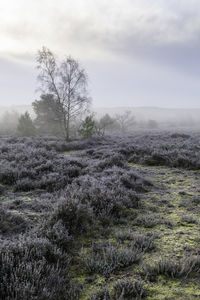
column 69, row 195
column 168, row 149
column 48, row 199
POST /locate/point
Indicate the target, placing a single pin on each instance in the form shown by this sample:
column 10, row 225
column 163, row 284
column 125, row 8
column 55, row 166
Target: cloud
column 156, row 38
column 96, row 28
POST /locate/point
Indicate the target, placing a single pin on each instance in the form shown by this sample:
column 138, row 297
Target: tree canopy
column 25, row 125
column 66, row 81
column 48, row 113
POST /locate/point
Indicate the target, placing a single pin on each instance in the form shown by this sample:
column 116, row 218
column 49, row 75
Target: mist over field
column 165, row 118
column 99, row 150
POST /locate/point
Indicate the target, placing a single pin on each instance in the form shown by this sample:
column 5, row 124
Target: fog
column 142, row 118
column 141, row 56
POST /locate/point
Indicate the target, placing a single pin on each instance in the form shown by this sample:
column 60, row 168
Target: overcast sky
column 136, row 52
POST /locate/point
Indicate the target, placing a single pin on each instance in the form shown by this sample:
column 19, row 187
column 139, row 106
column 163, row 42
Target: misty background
column 140, row 55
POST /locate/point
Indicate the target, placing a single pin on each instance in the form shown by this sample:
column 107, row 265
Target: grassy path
column 171, row 211
column 177, row 200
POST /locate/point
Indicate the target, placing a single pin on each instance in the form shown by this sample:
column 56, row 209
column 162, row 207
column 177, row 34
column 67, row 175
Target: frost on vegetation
column 171, row 267
column 129, row 289
column 74, row 194
column 33, row 268
column 108, row 259
column 75, row 197
column 11, row 222
column 123, row 289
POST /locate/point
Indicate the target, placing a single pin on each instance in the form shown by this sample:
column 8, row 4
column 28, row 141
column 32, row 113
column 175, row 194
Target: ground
column 174, row 204
column 106, row 227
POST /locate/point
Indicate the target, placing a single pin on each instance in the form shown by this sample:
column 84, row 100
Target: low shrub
column 129, row 289
column 11, row 222
column 174, row 269
column 33, row 268
column 58, row 235
column 189, row 219
column 143, row 242
column 110, row 259
column 123, row 235
column 148, row 220
column 76, row 217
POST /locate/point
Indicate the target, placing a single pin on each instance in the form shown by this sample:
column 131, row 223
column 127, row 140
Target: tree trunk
column 67, row 128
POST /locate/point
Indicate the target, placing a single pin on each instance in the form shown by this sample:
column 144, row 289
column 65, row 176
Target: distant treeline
column 45, row 121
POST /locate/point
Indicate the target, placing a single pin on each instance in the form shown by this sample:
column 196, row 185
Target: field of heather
column 107, row 218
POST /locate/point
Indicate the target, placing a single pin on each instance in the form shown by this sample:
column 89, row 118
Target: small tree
column 67, row 82
column 125, row 121
column 25, row 125
column 87, row 128
column 105, row 123
column 48, row 113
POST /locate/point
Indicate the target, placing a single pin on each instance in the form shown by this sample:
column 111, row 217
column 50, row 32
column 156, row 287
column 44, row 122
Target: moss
column 6, row 199
column 15, row 212
column 6, row 224
column 91, row 287
column 172, row 289
column 173, row 239
column 27, row 198
column 69, row 153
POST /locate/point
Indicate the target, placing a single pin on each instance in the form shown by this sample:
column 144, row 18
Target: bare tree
column 105, row 123
column 67, row 82
column 125, row 121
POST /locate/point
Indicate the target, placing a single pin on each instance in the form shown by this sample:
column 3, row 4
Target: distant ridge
column 142, row 113
column 156, row 113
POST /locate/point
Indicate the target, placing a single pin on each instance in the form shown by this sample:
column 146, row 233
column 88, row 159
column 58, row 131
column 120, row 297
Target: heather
column 96, row 218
